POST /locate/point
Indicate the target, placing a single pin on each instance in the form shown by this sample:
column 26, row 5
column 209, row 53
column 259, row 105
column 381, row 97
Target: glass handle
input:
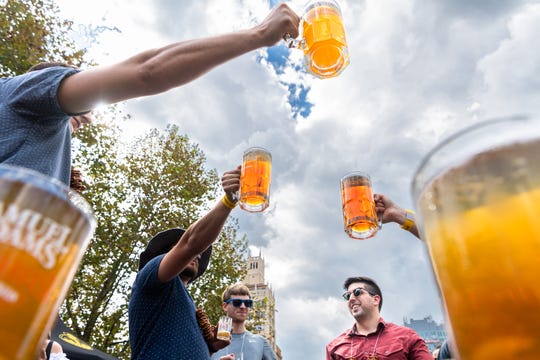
column 293, row 43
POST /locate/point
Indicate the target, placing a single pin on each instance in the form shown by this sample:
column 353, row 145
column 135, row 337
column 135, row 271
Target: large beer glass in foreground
column 255, row 179
column 478, row 201
column 44, row 231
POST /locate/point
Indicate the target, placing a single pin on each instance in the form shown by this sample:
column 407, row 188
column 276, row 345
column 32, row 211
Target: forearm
column 180, row 63
column 153, row 71
column 206, row 230
column 197, row 238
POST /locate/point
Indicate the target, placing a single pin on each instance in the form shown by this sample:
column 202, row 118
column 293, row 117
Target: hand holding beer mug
column 255, row 180
column 44, row 231
column 323, row 41
column 224, row 328
column 359, row 215
column 478, row 196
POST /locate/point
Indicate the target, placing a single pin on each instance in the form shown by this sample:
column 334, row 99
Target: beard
column 189, row 273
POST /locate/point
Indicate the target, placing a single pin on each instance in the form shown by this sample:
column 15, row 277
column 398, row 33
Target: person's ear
column 377, row 300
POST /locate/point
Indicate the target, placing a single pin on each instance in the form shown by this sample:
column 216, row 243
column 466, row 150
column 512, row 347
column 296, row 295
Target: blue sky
column 419, row 71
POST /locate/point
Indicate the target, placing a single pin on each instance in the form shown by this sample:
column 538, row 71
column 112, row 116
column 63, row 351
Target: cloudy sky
column 419, row 71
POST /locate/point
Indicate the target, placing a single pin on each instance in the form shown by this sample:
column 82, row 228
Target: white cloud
column 510, row 73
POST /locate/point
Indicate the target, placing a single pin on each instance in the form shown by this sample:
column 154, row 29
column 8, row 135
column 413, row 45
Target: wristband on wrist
column 228, row 203
column 409, row 220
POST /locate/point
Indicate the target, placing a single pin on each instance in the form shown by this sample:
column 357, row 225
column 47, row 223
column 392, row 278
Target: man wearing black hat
column 162, row 320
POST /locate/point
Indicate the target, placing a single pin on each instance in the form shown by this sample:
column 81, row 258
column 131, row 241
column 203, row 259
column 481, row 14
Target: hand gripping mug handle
column 293, row 43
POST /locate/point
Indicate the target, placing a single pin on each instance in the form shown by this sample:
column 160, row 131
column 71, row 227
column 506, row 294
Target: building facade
column 433, row 334
column 263, row 314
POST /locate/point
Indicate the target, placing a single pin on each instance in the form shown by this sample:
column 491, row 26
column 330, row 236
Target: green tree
column 31, row 32
column 158, row 182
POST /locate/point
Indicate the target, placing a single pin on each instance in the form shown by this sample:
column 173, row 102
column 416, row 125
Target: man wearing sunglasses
column 162, row 315
column 244, row 345
column 370, row 337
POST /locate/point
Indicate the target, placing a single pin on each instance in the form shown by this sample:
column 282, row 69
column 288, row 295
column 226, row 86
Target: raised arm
column 201, row 234
column 391, row 212
column 158, row 70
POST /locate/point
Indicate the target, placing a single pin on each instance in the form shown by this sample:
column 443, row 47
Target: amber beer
column 359, row 215
column 480, row 218
column 44, row 230
column 255, row 179
column 325, row 47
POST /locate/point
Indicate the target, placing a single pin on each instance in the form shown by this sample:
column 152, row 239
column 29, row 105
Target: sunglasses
column 356, row 292
column 238, row 302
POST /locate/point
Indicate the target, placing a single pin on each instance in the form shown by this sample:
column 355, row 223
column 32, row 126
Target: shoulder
column 147, row 277
column 36, row 91
column 395, row 328
column 51, row 75
column 258, row 337
column 338, row 340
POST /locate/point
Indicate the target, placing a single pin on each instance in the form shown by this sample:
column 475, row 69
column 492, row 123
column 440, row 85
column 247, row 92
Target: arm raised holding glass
column 158, row 70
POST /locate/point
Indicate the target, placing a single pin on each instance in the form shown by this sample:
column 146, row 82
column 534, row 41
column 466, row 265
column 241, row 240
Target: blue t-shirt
column 247, row 346
column 34, row 131
column 162, row 320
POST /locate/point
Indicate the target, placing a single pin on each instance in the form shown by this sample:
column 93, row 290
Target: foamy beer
column 323, row 39
column 359, row 215
column 478, row 196
column 255, row 179
column 224, row 328
column 44, row 231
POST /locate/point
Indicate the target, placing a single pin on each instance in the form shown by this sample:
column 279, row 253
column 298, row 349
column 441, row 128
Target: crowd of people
column 40, row 109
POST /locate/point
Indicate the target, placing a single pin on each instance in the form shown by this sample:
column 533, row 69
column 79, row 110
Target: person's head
column 163, row 242
column 76, row 121
column 363, row 295
column 237, row 302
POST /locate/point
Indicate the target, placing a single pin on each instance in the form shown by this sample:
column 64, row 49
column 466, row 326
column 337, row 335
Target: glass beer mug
column 478, row 200
column 360, row 219
column 323, row 39
column 44, row 231
column 255, row 179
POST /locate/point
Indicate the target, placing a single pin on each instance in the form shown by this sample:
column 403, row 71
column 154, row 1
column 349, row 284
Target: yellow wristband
column 409, row 220
column 228, row 203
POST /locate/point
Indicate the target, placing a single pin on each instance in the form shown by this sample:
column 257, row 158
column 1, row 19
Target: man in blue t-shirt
column 162, row 315
column 36, row 108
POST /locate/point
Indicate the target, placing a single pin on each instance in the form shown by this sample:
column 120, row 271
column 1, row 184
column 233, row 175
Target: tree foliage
column 32, row 32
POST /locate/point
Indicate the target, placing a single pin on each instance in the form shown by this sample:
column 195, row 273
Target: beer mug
column 323, row 39
column 44, row 231
column 359, row 213
column 478, row 201
column 255, row 180
column 224, row 328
